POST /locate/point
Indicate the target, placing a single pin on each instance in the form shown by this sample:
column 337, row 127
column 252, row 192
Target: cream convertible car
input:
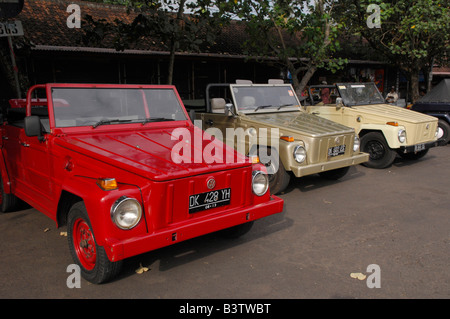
column 384, row 130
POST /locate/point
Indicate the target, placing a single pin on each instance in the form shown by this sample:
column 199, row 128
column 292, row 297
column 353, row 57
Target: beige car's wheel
column 380, row 154
column 278, row 177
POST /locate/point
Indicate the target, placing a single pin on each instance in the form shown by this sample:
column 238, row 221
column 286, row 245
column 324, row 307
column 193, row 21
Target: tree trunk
column 171, row 64
column 414, row 85
column 8, row 71
column 305, row 79
column 174, row 44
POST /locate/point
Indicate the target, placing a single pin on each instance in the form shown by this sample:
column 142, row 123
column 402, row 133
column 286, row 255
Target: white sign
column 10, row 29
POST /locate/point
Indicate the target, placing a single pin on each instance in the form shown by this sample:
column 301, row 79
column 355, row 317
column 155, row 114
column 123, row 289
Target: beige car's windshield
column 359, row 93
column 264, row 98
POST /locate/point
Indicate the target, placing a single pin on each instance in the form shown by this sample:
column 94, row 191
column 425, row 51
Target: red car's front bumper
column 118, row 250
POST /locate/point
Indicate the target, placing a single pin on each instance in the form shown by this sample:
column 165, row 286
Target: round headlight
column 356, row 144
column 402, row 136
column 126, row 212
column 299, row 154
column 260, row 183
column 439, row 132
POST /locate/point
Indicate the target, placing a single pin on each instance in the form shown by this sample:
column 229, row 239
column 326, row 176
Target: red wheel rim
column 83, row 240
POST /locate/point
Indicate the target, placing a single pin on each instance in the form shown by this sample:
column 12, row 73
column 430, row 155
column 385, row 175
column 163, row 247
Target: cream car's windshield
column 359, row 93
column 264, row 98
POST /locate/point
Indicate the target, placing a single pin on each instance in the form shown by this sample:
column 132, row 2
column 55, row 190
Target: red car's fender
column 98, row 203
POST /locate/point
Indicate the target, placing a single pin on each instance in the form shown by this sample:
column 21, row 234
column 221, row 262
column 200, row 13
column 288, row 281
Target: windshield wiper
column 103, row 122
column 156, row 119
column 284, row 105
column 262, row 107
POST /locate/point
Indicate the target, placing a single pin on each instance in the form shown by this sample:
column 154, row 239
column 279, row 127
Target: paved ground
column 396, row 218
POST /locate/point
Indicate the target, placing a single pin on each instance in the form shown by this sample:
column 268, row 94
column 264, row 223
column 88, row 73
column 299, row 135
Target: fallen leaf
column 358, row 275
column 46, row 230
column 63, row 233
column 141, row 269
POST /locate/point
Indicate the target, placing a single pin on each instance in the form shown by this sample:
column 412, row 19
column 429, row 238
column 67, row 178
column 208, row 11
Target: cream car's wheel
column 443, row 131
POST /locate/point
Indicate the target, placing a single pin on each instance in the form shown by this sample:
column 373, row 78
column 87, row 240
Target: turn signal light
column 107, row 184
column 287, row 138
column 392, row 123
column 254, row 159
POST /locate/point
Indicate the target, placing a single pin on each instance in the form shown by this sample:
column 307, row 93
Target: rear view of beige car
column 384, row 130
column 298, row 143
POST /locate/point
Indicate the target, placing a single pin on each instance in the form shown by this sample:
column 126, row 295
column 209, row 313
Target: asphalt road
column 396, row 219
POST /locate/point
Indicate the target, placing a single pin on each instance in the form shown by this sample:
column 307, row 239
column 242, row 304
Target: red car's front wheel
column 84, row 244
column 92, row 259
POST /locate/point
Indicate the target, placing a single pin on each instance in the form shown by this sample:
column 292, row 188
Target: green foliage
column 301, row 34
column 176, row 25
column 413, row 33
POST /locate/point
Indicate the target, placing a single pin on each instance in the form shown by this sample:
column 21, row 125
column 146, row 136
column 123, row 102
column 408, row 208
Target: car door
column 37, row 178
column 11, row 150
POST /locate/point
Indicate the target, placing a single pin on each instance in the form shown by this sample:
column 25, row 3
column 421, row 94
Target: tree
column 300, row 34
column 20, row 47
column 177, row 25
column 412, row 33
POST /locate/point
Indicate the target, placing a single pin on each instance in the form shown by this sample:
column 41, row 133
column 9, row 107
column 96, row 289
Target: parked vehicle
column 437, row 103
column 385, row 130
column 296, row 142
column 99, row 159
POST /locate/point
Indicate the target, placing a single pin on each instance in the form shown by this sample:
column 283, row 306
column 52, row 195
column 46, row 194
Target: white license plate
column 419, row 147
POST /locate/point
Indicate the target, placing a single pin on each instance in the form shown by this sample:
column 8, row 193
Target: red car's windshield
column 79, row 106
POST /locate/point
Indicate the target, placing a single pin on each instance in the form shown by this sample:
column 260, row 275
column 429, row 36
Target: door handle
column 24, row 144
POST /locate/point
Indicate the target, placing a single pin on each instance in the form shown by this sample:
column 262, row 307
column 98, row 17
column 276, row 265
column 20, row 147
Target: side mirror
column 33, row 127
column 228, row 109
column 339, row 103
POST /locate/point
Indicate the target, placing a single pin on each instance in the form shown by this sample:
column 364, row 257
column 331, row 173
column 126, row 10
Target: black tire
column 413, row 156
column 96, row 270
column 380, row 155
column 445, row 127
column 335, row 174
column 278, row 177
column 8, row 202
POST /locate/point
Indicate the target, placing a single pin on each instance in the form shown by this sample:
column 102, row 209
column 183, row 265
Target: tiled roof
column 441, row 71
column 45, row 24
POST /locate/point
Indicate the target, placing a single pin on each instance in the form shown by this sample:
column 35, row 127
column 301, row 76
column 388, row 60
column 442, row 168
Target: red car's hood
column 149, row 153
